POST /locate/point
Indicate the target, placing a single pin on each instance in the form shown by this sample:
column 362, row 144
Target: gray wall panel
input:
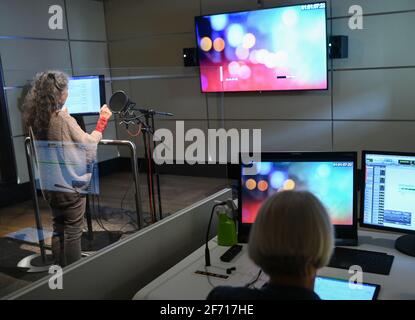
column 180, row 96
column 23, row 18
column 148, row 17
column 383, row 94
column 160, row 50
column 86, row 20
column 290, row 135
column 22, row 59
column 218, row 6
column 385, row 41
column 300, row 105
column 360, row 135
column 341, row 8
column 90, row 58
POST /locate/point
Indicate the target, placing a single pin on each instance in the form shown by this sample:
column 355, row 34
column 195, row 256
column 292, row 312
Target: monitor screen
column 331, row 177
column 389, row 190
column 276, row 49
column 338, row 289
column 86, row 94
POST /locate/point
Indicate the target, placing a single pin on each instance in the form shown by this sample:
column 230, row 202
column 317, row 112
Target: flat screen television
column 276, row 49
column 330, row 176
column 86, row 94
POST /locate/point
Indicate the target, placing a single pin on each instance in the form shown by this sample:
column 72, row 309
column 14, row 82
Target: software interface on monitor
column 337, row 289
column 84, row 95
column 390, row 191
column 331, row 182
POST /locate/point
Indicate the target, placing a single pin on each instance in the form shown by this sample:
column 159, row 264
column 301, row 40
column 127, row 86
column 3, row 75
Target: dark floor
column 113, row 215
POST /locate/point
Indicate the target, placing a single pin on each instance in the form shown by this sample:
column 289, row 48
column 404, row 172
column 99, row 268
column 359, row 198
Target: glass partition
column 171, row 127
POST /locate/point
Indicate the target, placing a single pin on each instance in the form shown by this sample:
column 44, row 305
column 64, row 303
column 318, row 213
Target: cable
column 97, row 216
column 123, row 199
column 249, row 284
column 140, row 126
column 208, row 278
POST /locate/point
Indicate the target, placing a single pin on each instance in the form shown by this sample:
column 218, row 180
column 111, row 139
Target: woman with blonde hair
column 47, row 119
column 290, row 240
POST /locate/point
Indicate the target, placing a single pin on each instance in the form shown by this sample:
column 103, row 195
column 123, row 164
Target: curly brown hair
column 42, row 100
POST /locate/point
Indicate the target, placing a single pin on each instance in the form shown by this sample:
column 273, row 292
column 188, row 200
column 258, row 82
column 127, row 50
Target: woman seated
column 290, row 240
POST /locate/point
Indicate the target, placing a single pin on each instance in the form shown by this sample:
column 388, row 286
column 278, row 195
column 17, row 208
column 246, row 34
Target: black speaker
column 190, row 58
column 339, row 47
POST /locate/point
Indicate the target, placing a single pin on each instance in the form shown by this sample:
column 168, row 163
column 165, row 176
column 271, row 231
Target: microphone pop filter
column 118, row 101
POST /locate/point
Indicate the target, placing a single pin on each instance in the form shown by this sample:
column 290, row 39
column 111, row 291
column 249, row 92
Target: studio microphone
column 120, row 103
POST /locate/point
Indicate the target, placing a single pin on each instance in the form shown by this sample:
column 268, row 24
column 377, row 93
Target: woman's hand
column 105, row 112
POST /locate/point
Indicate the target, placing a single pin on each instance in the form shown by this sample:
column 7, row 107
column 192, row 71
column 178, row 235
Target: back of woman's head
column 43, row 99
column 292, row 233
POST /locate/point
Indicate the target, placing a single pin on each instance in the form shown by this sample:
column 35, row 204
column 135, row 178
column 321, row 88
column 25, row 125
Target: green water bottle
column 226, row 228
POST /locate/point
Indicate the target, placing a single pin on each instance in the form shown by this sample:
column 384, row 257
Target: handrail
column 32, row 176
column 134, row 170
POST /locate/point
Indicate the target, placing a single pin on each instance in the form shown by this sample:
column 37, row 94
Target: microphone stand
column 148, row 131
column 149, row 114
column 148, row 157
column 157, row 175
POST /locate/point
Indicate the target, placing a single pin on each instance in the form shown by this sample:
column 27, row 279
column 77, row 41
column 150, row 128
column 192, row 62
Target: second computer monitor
column 330, row 176
column 388, row 197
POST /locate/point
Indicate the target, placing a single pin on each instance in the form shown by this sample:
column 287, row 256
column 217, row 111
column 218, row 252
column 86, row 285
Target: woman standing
column 47, row 119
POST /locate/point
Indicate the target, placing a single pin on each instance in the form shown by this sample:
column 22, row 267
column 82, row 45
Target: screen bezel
column 263, row 9
column 342, row 232
column 102, row 95
column 375, row 294
column 363, row 189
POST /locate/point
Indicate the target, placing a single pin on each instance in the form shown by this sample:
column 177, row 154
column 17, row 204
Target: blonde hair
column 292, row 233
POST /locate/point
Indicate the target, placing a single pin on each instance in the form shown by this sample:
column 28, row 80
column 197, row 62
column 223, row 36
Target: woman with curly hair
column 47, row 119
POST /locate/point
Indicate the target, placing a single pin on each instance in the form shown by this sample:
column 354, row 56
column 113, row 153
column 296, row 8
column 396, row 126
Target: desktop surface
column 182, row 283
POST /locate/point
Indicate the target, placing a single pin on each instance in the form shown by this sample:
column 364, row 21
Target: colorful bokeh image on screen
column 331, row 182
column 264, row 50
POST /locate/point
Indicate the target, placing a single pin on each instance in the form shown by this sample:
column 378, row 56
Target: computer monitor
column 330, row 176
column 86, row 94
column 339, row 289
column 388, row 196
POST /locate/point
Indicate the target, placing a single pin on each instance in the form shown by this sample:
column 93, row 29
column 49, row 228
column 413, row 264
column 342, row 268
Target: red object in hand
column 101, row 124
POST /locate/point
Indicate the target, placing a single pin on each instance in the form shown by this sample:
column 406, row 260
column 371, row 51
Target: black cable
column 132, row 220
column 208, row 278
column 207, row 253
column 255, row 280
column 96, row 215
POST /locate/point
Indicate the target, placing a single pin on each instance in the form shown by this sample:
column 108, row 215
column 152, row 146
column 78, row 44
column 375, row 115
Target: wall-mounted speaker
column 190, row 58
column 339, row 47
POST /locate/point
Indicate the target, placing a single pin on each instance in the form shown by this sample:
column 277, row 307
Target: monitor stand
column 406, row 244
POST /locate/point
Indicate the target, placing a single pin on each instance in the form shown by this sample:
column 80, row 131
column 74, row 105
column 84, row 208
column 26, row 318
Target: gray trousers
column 68, row 219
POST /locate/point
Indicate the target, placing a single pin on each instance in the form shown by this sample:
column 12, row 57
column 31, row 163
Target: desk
column 181, row 283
